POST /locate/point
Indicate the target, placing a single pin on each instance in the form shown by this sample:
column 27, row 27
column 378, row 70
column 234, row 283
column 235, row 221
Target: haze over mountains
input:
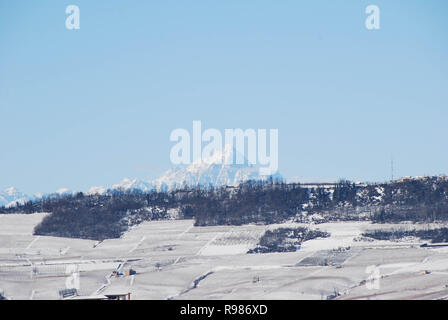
column 217, row 170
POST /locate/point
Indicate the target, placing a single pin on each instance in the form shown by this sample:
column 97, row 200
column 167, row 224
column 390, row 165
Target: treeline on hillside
column 436, row 235
column 266, row 202
column 100, row 217
column 261, row 202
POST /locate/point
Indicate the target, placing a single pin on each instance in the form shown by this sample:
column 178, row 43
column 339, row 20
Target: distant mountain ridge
column 10, row 196
column 217, row 170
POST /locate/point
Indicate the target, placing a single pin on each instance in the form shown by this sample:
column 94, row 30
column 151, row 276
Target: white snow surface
column 174, row 259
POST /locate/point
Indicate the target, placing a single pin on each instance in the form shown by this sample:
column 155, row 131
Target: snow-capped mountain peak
column 133, row 184
column 10, row 196
column 11, row 191
column 224, row 156
column 63, row 191
column 96, row 190
column 219, row 169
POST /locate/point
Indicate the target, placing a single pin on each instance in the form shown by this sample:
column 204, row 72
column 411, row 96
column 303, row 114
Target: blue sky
column 89, row 107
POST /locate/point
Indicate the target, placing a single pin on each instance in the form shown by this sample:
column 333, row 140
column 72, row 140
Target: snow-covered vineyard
column 172, row 259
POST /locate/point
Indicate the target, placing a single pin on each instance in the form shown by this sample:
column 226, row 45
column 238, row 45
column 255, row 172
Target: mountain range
column 10, row 196
column 216, row 170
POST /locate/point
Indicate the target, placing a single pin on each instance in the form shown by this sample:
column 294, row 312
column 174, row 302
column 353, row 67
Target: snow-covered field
column 175, row 260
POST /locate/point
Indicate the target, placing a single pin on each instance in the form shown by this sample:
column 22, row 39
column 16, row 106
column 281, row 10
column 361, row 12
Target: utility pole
column 392, row 168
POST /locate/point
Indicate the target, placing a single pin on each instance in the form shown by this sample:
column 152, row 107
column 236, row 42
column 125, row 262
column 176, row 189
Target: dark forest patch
column 438, row 235
column 286, row 239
